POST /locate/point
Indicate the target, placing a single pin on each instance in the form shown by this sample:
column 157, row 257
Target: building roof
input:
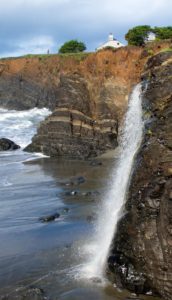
column 112, row 42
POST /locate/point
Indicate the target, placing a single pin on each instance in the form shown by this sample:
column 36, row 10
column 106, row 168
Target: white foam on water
column 5, row 182
column 97, row 250
column 20, row 126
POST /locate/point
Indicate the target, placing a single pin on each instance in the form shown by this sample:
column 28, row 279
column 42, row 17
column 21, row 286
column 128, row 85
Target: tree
column 72, row 46
column 163, row 33
column 138, row 35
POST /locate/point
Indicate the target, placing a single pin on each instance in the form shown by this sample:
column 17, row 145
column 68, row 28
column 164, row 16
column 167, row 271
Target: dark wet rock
column 144, row 235
column 32, row 148
column 125, row 273
column 49, row 218
column 75, row 181
column 84, row 194
column 91, row 218
column 6, row 144
column 134, row 297
column 71, row 193
column 90, row 193
column 68, row 246
column 32, row 293
column 65, row 210
column 95, row 163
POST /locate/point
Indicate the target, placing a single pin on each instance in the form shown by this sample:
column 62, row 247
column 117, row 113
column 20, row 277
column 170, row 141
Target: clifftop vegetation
column 72, row 46
column 139, row 35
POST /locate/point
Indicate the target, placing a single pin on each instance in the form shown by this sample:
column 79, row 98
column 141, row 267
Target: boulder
column 6, row 144
column 49, row 218
column 74, row 181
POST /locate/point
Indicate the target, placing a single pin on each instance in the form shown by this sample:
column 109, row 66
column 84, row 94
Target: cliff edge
column 143, row 243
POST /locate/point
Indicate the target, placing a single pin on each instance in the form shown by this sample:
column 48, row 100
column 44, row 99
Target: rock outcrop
column 88, row 94
column 6, row 144
column 143, row 242
column 71, row 133
column 105, row 79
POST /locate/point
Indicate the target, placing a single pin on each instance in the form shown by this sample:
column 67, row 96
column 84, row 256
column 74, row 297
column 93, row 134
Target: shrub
column 137, row 35
column 72, row 46
column 163, row 33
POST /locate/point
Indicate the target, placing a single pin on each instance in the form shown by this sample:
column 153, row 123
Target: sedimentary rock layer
column 87, row 93
column 71, row 133
column 143, row 242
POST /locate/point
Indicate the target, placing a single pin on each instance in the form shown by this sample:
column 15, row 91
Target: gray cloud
column 33, row 26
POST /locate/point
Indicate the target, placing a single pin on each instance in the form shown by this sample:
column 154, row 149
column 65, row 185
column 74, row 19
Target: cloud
column 25, row 22
column 38, row 44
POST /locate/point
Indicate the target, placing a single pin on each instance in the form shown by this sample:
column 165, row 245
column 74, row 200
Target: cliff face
column 45, row 80
column 143, row 244
column 88, row 94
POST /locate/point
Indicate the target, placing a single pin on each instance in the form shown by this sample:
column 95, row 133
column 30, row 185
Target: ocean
column 48, row 255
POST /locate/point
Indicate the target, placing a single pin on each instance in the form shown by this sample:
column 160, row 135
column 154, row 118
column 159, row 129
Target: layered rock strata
column 44, row 81
column 142, row 249
column 87, row 93
column 69, row 132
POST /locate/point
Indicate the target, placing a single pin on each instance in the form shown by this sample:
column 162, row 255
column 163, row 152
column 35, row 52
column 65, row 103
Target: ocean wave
column 20, row 126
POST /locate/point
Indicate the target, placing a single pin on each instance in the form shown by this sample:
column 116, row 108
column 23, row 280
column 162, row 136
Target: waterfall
column 112, row 204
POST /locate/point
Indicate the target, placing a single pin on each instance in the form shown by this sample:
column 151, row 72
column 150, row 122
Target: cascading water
column 109, row 213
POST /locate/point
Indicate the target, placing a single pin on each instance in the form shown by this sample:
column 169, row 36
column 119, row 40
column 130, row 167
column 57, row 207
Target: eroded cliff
column 142, row 253
column 88, row 96
column 87, row 93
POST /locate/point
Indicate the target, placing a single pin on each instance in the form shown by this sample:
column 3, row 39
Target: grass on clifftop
column 167, row 50
column 78, row 56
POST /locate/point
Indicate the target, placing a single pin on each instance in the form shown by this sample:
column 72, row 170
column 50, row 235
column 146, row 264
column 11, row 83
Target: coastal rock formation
column 88, row 96
column 71, row 130
column 87, row 93
column 85, row 120
column 105, row 79
column 71, row 133
column 143, row 243
column 6, row 144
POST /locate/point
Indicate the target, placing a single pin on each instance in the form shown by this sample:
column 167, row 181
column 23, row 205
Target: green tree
column 138, row 35
column 163, row 33
column 72, row 46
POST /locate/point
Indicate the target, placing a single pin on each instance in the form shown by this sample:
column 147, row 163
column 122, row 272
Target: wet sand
column 49, row 255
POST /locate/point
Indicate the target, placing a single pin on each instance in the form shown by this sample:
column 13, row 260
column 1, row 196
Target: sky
column 34, row 26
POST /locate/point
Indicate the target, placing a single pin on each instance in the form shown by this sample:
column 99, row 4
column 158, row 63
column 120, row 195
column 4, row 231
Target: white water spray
column 20, row 126
column 111, row 207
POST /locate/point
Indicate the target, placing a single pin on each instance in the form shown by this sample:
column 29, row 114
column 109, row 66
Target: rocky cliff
column 88, row 94
column 142, row 249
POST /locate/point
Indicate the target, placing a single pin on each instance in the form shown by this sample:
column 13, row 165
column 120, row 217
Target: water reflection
column 47, row 255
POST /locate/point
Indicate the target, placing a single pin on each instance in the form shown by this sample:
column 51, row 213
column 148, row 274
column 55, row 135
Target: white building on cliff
column 112, row 42
column 151, row 37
